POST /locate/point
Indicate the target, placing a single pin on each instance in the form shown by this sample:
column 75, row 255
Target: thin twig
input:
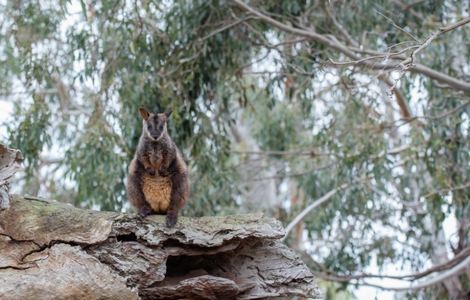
column 228, row 26
column 455, row 83
column 398, row 27
column 409, row 62
column 448, row 113
column 312, row 206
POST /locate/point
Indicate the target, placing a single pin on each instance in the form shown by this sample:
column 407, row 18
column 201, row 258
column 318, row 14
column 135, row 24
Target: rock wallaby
column 158, row 181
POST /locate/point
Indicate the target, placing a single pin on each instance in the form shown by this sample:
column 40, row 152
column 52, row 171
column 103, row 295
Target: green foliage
column 32, row 132
column 78, row 71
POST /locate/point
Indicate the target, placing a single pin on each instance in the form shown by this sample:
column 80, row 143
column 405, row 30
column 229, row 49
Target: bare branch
column 340, row 27
column 223, row 28
column 312, row 206
column 450, row 189
column 454, row 25
column 293, row 174
column 49, row 160
column 404, row 110
column 443, row 115
column 454, row 266
column 408, row 7
column 435, row 280
column 398, row 27
column 311, row 153
column 375, row 55
column 455, row 83
column 410, row 62
column 408, row 277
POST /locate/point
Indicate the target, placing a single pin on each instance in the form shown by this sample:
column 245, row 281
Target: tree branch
column 452, row 267
column 432, row 281
column 407, row 277
column 455, row 83
column 410, row 62
column 312, row 206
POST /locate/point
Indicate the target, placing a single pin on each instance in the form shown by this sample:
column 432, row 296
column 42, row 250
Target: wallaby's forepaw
column 144, row 211
column 171, row 220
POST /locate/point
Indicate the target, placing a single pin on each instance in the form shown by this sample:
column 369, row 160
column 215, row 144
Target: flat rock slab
column 63, row 252
column 63, row 272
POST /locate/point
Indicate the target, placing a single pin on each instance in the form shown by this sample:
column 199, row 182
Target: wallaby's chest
column 157, row 192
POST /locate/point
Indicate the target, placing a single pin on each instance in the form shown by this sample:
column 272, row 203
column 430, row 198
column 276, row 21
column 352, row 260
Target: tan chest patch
column 157, row 191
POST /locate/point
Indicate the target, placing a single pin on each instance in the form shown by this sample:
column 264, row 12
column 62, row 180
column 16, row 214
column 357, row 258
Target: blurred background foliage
column 266, row 119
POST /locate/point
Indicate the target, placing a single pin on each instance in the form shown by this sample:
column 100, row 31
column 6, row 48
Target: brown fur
column 158, row 181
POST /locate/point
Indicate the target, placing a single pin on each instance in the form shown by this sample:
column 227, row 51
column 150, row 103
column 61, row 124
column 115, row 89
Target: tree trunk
column 52, row 250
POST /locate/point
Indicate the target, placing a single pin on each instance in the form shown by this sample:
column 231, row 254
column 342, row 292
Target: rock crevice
column 121, row 256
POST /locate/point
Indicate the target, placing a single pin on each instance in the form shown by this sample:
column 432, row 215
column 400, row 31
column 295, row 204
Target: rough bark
column 52, row 250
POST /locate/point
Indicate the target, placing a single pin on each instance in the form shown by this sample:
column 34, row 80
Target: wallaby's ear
column 168, row 113
column 144, row 113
